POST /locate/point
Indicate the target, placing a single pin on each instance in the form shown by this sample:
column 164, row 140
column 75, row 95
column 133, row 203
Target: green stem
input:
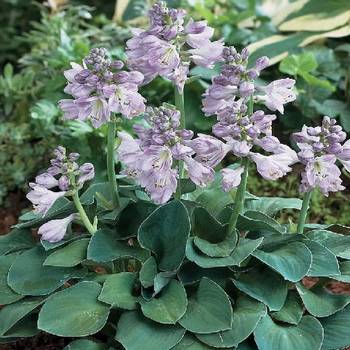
column 304, row 212
column 240, row 196
column 111, row 164
column 91, row 228
column 180, row 105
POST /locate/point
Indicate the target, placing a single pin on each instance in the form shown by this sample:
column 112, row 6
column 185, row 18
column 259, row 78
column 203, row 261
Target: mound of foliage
column 173, row 252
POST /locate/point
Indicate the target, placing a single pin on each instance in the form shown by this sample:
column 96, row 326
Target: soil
column 9, row 215
column 40, row 342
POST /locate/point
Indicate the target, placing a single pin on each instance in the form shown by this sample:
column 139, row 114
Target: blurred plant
column 28, row 97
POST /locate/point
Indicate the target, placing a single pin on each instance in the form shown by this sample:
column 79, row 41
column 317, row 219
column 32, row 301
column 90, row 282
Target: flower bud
column 63, row 183
column 117, row 64
column 87, row 172
column 46, row 180
column 73, row 156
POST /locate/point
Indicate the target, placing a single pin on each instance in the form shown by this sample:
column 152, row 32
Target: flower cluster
column 100, row 87
column 62, row 178
column 320, row 148
column 242, row 129
column 151, row 159
column 236, row 83
column 170, row 44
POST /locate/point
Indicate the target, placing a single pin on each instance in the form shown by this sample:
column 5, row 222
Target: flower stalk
column 240, row 197
column 180, row 106
column 240, row 194
column 304, row 211
column 111, row 164
column 90, row 227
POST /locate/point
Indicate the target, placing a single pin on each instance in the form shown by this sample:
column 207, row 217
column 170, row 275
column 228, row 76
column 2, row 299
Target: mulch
column 8, row 215
column 40, row 342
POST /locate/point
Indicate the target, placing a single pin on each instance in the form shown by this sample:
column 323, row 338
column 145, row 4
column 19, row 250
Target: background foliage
column 305, row 39
column 197, row 286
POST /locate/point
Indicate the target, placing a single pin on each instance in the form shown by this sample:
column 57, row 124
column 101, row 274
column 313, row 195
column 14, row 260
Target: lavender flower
column 100, row 87
column 242, row 132
column 320, row 148
column 86, row 173
column 54, row 230
column 46, row 180
column 61, row 178
column 278, row 93
column 42, row 198
column 169, row 45
column 236, row 84
column 231, row 178
column 151, row 159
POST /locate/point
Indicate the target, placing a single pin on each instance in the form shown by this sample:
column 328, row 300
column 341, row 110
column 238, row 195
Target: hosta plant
column 171, row 251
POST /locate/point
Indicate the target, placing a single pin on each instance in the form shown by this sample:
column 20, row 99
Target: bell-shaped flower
column 209, row 150
column 344, row 155
column 231, row 178
column 199, row 173
column 160, row 184
column 46, row 180
column 278, row 93
column 208, row 54
column 323, row 173
column 86, row 173
column 69, row 108
column 126, row 100
column 54, row 230
column 274, row 166
column 42, row 198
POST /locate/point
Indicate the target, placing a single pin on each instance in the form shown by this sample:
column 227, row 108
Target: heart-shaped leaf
column 70, row 255
column 206, row 227
column 344, row 272
column 205, row 316
column 336, row 330
column 321, row 303
column 74, row 312
column 338, row 244
column 292, row 261
column 307, row 335
column 16, row 240
column 105, row 247
column 137, row 332
column 132, row 216
column 85, row 344
column 324, row 262
column 244, row 248
column 28, row 275
column 11, row 314
column 255, row 221
column 189, row 342
column 246, row 315
column 191, row 273
column 148, row 272
column 271, row 205
column 292, row 310
column 118, row 291
column 264, row 285
column 7, row 295
column 169, row 306
column 220, row 249
column 165, row 233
